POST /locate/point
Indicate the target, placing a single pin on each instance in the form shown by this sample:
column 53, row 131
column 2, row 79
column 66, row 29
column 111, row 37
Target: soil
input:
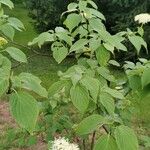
column 6, row 121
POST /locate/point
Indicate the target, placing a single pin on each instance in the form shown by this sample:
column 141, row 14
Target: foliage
column 97, row 96
column 89, row 85
column 14, row 85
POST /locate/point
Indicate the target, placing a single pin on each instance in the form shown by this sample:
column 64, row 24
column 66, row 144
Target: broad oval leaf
column 108, row 102
column 113, row 93
column 4, row 83
column 145, row 77
column 102, row 55
column 32, row 83
column 80, row 97
column 16, row 54
column 137, row 42
column 106, row 142
column 92, row 85
column 89, row 124
column 60, row 53
column 25, row 110
column 16, row 23
column 126, row 138
column 7, row 3
column 8, row 31
column 78, row 45
column 72, row 21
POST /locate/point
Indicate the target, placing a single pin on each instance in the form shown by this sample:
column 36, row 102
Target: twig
column 93, row 140
column 84, row 146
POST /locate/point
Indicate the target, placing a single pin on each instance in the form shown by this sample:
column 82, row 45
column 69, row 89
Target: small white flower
column 63, row 144
column 142, row 18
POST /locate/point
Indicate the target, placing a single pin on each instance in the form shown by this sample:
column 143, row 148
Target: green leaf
column 72, row 21
column 145, row 77
column 8, row 31
column 42, row 38
column 60, row 53
column 96, row 25
column 24, row 109
column 89, row 124
column 96, row 13
column 113, row 93
column 16, row 54
column 80, row 97
column 32, row 83
column 92, row 4
column 78, row 45
column 7, row 3
column 72, row 6
column 65, row 37
column 108, row 102
column 106, row 142
column 5, row 66
column 126, row 138
column 135, row 82
column 16, row 23
column 4, row 84
column 105, row 73
column 92, row 85
column 114, row 63
column 102, row 55
column 137, row 42
column 58, row 86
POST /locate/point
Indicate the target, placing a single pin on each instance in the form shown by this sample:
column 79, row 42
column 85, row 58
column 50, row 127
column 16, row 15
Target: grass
column 45, row 68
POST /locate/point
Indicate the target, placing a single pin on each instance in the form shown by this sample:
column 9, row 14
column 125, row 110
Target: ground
column 45, row 67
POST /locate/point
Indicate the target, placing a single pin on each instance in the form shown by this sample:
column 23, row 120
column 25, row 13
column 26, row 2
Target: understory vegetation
column 82, row 84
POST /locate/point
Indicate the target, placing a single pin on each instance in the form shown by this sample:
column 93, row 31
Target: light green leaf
column 65, row 37
column 24, row 109
column 89, row 124
column 32, row 83
column 16, row 23
column 102, row 55
column 145, row 77
column 78, row 45
column 105, row 73
column 92, row 85
column 113, row 93
column 58, row 86
column 72, row 6
column 135, row 82
column 80, row 97
column 42, row 38
column 8, row 31
column 72, row 21
column 106, row 142
column 96, row 13
column 7, row 3
column 92, row 4
column 137, row 42
column 126, row 138
column 4, row 83
column 96, row 25
column 5, row 68
column 16, row 54
column 108, row 102
column 60, row 53
column 114, row 63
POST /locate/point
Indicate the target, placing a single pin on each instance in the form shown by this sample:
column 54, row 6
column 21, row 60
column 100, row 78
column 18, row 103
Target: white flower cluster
column 142, row 18
column 63, row 144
